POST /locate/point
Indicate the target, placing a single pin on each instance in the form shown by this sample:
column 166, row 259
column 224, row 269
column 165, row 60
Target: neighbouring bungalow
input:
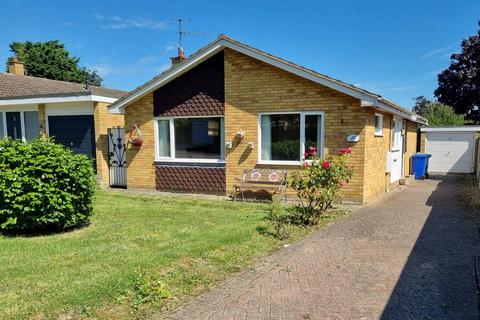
column 75, row 114
column 231, row 107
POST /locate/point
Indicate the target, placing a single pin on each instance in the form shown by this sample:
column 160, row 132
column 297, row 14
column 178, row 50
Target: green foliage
column 458, row 85
column 52, row 61
column 149, row 288
column 439, row 114
column 318, row 185
column 279, row 219
column 287, row 149
column 43, row 186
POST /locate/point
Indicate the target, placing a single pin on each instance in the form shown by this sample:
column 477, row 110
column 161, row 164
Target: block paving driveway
column 410, row 255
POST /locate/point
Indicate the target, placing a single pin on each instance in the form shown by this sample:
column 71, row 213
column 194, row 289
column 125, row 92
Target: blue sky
column 394, row 48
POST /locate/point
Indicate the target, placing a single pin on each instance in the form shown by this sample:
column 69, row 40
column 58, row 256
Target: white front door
column 397, row 153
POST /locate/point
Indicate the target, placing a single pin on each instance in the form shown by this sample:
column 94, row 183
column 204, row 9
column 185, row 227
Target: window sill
column 280, row 163
column 190, row 160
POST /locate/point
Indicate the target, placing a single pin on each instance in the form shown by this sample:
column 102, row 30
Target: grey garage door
column 74, row 132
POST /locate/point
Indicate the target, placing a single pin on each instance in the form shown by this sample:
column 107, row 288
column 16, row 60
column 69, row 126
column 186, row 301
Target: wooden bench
column 261, row 179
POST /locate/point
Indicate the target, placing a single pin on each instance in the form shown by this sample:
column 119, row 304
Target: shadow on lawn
column 30, row 233
column 438, row 280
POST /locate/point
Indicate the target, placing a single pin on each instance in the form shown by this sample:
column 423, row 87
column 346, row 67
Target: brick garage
column 236, row 84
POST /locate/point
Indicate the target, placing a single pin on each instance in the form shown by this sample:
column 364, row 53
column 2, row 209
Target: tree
column 52, row 61
column 439, row 114
column 421, row 105
column 459, row 85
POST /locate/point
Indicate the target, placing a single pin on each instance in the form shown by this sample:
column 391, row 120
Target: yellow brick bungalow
column 231, row 107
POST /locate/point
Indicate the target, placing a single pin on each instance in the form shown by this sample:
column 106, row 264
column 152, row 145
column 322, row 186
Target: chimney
column 178, row 59
column 16, row 67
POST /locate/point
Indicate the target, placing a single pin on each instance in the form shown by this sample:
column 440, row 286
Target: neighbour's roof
column 367, row 98
column 24, row 87
column 465, row 128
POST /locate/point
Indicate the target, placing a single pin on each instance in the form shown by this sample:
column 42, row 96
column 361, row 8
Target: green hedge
column 43, row 187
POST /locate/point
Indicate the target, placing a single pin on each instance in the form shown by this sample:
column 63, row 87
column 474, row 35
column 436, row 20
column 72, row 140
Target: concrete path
column 411, row 255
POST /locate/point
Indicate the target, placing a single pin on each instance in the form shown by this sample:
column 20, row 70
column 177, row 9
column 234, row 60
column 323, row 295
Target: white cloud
column 440, row 52
column 102, row 69
column 170, row 48
column 116, row 22
column 147, row 59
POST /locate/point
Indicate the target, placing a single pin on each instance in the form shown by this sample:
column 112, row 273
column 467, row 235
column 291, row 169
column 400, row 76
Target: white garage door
column 451, row 151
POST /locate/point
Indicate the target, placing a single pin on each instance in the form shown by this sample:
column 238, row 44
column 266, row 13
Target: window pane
column 313, row 132
column 2, row 132
column 164, row 138
column 197, row 138
column 280, row 137
column 32, row 127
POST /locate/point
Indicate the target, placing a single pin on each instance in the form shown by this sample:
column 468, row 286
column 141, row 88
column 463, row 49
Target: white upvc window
column 378, row 124
column 190, row 139
column 285, row 136
column 19, row 124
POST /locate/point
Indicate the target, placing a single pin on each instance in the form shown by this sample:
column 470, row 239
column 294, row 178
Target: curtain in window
column 266, row 128
column 2, row 129
column 32, row 126
column 164, row 138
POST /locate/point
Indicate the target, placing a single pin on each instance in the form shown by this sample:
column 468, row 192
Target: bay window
column 196, row 139
column 284, row 137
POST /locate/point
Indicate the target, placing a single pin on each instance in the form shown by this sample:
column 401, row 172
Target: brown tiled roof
column 21, row 87
column 190, row 179
column 198, row 92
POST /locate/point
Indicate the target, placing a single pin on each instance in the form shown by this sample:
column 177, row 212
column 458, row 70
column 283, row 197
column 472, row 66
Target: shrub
column 319, row 183
column 43, row 186
column 279, row 219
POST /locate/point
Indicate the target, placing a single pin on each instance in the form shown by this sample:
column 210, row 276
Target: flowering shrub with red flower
column 318, row 184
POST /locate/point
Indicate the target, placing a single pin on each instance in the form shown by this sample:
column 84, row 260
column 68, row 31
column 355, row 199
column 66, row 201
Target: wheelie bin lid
column 421, row 155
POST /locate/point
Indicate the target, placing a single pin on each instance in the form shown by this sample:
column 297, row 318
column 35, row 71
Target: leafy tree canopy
column 421, row 104
column 52, row 61
column 439, row 114
column 459, row 85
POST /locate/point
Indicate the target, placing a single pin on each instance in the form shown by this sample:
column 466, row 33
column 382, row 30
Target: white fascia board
column 451, row 129
column 45, row 100
column 385, row 107
column 186, row 66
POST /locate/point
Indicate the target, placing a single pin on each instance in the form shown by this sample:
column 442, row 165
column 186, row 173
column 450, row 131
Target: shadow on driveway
column 438, row 280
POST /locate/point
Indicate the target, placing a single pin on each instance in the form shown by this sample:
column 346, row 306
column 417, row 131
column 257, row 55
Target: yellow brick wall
column 140, row 160
column 423, row 140
column 411, row 147
column 42, row 120
column 377, row 147
column 252, row 86
column 104, row 120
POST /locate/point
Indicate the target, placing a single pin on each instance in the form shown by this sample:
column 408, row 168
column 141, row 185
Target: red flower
column 345, row 151
column 314, row 153
column 306, row 154
column 325, row 164
column 312, row 149
column 306, row 164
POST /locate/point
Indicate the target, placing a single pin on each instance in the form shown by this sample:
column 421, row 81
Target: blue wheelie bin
column 420, row 165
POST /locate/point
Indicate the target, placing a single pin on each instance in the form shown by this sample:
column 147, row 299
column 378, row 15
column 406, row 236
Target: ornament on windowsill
column 136, row 137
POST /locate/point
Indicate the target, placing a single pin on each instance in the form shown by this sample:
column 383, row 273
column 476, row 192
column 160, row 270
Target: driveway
column 410, row 255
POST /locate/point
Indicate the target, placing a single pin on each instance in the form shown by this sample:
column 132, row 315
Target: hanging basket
column 136, row 137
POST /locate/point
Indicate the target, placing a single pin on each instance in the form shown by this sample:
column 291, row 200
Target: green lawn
column 141, row 254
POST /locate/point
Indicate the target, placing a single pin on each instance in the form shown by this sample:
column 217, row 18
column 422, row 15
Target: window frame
column 171, row 128
column 22, row 111
column 302, row 137
column 376, row 132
